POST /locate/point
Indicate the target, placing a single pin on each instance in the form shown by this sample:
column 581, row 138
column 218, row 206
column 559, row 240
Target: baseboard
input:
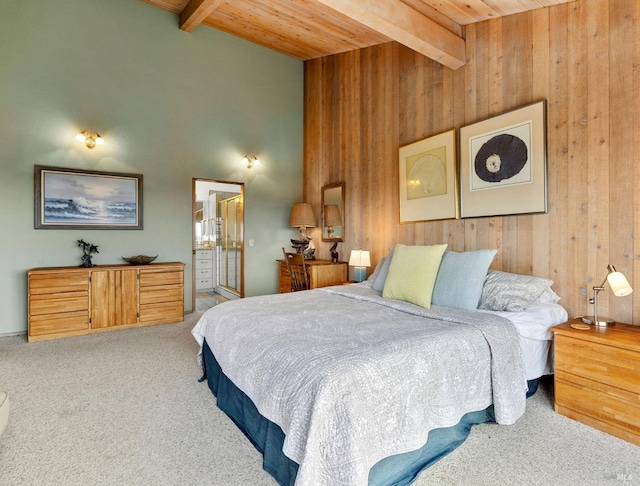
column 12, row 334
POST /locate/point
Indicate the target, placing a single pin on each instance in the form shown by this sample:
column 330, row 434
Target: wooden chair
column 297, row 271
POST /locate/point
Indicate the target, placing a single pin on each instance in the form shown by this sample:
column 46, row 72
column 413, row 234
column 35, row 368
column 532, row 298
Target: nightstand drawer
column 605, row 364
column 607, row 408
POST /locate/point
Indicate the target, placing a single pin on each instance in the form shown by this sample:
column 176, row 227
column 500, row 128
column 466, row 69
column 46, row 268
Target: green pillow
column 412, row 273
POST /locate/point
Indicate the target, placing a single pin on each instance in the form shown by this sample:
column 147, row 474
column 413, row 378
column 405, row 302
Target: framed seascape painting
column 428, row 179
column 82, row 199
column 503, row 164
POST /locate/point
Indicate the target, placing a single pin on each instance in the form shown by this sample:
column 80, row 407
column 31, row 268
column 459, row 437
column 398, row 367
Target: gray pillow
column 505, row 291
column 372, row 278
column 461, row 277
column 384, row 271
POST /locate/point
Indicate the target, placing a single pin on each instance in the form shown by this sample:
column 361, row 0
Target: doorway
column 218, row 242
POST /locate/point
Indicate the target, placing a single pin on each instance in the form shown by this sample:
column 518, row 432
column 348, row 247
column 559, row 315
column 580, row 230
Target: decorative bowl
column 140, row 259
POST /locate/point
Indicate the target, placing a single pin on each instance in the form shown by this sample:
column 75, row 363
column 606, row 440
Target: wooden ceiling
column 308, row 29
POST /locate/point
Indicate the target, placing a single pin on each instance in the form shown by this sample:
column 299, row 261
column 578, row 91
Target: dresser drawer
column 204, row 264
column 617, row 367
column 204, row 254
column 58, row 323
column 203, row 273
column 160, row 294
column 41, row 304
column 204, row 283
column 152, row 278
column 162, row 312
column 58, row 282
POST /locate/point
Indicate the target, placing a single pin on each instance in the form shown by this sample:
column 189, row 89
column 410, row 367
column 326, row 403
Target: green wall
column 170, row 105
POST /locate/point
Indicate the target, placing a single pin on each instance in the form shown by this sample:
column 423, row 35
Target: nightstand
column 597, row 377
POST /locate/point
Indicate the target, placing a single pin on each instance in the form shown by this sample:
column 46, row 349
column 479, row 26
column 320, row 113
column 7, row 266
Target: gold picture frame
column 503, row 164
column 87, row 199
column 429, row 179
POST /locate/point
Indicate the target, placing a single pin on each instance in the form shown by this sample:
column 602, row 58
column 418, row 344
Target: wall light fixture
column 250, row 161
column 90, row 139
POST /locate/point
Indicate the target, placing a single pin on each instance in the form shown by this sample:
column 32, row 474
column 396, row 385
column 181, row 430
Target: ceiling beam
column 195, row 12
column 405, row 25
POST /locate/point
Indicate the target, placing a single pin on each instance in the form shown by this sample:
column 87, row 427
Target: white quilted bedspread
column 352, row 378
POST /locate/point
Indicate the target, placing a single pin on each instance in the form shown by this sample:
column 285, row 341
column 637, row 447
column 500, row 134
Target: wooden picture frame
column 428, row 179
column 503, row 164
column 83, row 199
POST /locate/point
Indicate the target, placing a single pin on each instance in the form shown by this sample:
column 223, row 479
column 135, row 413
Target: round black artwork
column 501, row 157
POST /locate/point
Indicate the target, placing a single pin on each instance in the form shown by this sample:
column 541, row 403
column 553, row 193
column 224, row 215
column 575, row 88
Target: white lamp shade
column 619, row 284
column 359, row 258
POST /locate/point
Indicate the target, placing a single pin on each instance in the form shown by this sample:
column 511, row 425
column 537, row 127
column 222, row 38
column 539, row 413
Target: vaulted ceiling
column 308, row 29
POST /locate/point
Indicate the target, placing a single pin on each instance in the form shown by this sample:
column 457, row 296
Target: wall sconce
column 360, row 260
column 620, row 287
column 90, row 139
column 250, row 161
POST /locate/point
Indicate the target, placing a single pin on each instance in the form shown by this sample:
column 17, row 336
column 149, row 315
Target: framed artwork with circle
column 503, row 164
column 428, row 179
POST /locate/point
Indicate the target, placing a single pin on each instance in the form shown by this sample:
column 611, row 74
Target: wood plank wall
column 582, row 57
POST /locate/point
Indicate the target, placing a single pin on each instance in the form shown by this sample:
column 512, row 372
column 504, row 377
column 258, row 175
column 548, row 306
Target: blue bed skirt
column 268, row 438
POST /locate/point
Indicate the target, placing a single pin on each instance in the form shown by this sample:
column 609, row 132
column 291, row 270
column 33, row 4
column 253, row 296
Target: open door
column 218, row 242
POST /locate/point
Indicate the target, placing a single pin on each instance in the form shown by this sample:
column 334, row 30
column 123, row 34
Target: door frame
column 194, row 180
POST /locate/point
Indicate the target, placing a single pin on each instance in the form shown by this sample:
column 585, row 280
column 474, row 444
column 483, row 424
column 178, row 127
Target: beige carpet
column 125, row 408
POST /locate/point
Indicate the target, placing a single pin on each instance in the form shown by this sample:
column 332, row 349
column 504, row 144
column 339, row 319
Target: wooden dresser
column 597, row 377
column 70, row 301
column 322, row 273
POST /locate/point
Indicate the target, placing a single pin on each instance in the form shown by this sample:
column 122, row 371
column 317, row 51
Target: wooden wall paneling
column 580, row 58
column 557, row 148
column 470, row 112
column 524, row 96
column 598, row 142
column 577, row 154
column 350, row 122
column 540, row 44
column 313, row 138
column 635, row 277
column 621, row 151
column 510, row 46
column 388, row 73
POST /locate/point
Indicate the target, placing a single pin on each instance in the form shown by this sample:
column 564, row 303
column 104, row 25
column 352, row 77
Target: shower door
column 229, row 228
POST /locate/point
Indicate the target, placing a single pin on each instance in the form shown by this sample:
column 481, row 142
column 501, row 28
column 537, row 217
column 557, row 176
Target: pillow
column 511, row 292
column 461, row 278
column 384, row 271
column 372, row 278
column 412, row 273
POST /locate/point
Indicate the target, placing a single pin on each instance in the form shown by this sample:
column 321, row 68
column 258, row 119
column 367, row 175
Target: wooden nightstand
column 597, row 377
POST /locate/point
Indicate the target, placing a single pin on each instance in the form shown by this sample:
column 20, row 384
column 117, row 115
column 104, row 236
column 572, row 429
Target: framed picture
column 82, row 199
column 503, row 164
column 428, row 179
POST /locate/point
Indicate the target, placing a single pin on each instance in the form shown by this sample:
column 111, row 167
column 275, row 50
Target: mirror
column 333, row 212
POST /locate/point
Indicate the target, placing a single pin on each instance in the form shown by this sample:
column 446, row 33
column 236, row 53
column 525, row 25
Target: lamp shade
column 619, row 284
column 302, row 216
column 359, row 258
column 332, row 215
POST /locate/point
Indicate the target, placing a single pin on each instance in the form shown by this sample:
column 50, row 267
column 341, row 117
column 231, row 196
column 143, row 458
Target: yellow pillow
column 412, row 273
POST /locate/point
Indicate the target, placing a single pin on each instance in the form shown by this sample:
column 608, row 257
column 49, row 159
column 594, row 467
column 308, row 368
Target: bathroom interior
column 217, row 242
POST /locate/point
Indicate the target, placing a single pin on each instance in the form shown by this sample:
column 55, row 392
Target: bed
column 347, row 385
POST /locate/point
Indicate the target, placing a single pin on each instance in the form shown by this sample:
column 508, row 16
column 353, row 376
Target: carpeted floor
column 125, row 408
